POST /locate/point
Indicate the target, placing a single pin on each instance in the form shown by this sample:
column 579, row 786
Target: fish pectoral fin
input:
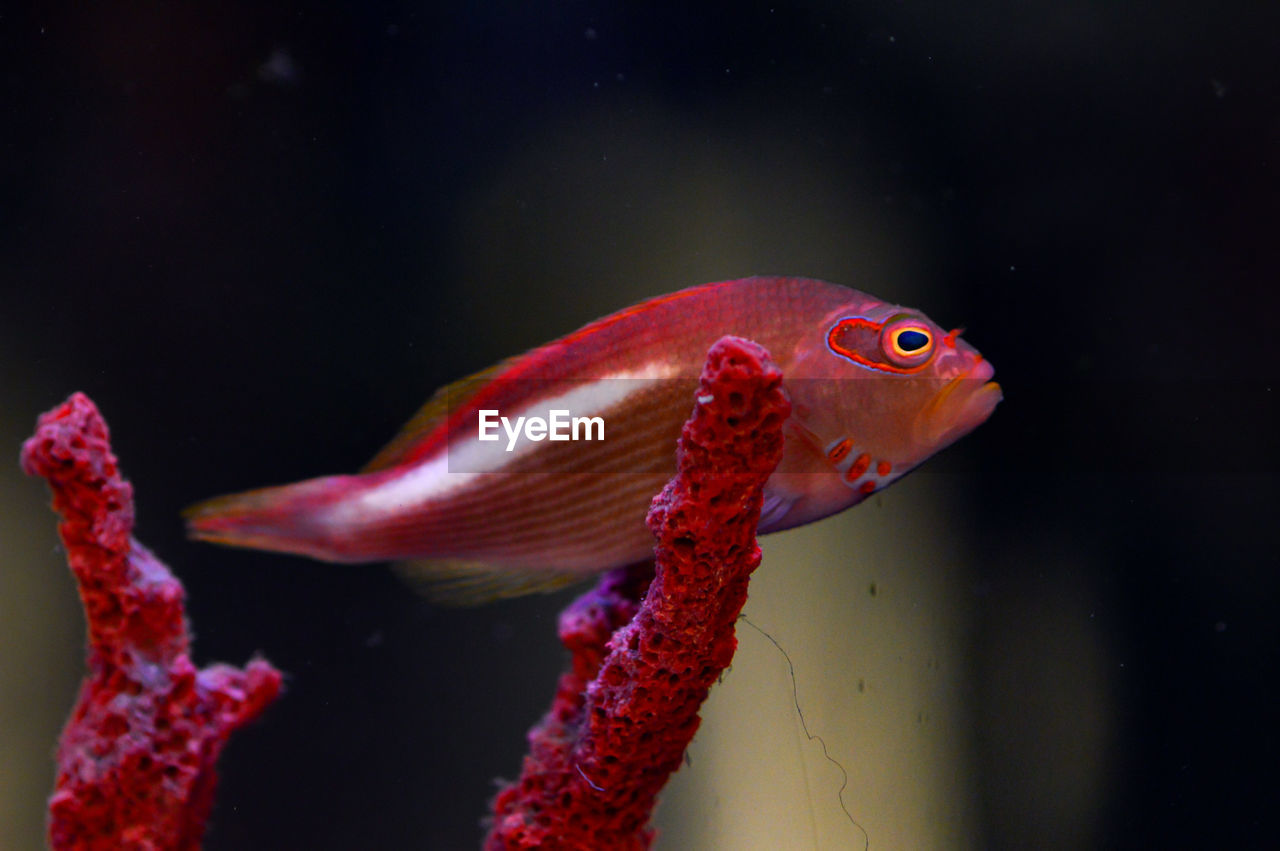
column 458, row 582
column 432, row 414
column 798, row 433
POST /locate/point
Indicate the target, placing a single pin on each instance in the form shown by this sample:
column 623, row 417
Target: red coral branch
column 136, row 758
column 625, row 712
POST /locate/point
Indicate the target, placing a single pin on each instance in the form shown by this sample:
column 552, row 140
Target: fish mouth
column 964, row 403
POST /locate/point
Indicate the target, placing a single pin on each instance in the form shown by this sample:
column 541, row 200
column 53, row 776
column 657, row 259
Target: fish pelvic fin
column 460, row 582
column 432, row 415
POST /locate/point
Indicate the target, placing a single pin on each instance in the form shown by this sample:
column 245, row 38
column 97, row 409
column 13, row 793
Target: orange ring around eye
column 906, row 356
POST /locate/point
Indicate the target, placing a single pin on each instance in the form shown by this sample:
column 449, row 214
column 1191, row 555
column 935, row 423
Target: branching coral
column 627, row 709
column 136, row 758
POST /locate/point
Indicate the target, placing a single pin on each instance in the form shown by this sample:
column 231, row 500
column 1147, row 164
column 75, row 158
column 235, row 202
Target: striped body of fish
column 541, row 469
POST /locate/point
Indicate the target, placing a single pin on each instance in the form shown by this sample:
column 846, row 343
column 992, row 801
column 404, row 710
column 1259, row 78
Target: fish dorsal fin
column 432, row 414
column 458, row 582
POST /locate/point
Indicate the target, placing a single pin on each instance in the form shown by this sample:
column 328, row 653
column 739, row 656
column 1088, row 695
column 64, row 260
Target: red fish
column 539, row 471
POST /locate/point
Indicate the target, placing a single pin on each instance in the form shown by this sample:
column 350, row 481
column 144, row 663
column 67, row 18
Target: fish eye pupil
column 911, row 340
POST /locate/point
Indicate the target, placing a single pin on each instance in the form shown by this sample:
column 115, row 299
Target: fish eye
column 908, row 342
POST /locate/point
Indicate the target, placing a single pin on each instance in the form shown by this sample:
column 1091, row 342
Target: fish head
column 882, row 387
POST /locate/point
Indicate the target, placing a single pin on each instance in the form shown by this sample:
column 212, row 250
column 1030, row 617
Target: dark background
column 259, row 235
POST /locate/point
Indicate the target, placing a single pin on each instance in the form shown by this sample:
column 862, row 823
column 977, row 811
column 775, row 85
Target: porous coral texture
column 627, row 709
column 136, row 758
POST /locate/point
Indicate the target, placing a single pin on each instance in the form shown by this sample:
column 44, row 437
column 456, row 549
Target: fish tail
column 308, row 518
column 288, row 518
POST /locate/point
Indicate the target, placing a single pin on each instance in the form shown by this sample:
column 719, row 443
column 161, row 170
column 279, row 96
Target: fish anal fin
column 458, row 582
column 774, row 508
column 432, row 414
